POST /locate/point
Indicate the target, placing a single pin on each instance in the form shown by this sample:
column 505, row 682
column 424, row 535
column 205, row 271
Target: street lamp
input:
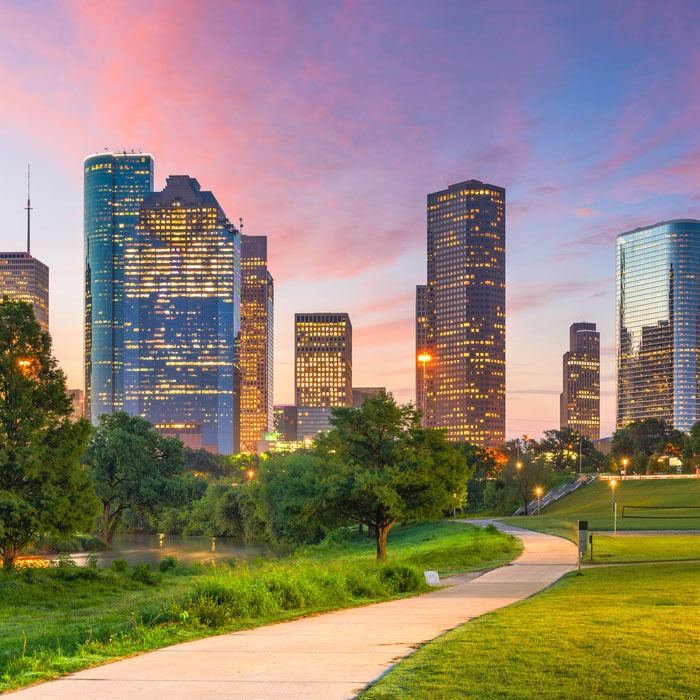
column 538, row 491
column 424, row 357
column 580, row 456
column 613, row 484
column 624, row 467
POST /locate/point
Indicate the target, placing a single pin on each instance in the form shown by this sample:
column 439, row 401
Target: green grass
column 56, row 621
column 611, row 549
column 594, row 504
column 628, row 633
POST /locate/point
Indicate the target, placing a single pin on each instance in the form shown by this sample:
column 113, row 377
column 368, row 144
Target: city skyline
column 324, row 128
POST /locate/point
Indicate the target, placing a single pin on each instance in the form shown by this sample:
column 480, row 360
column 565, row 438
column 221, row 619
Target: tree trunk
column 8, row 560
column 382, row 532
column 105, row 524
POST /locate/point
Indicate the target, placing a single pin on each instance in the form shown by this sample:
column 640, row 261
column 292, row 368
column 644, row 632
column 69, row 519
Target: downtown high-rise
column 115, row 184
column 322, row 369
column 182, row 291
column 658, row 324
column 257, row 331
column 24, row 278
column 461, row 315
column 579, row 406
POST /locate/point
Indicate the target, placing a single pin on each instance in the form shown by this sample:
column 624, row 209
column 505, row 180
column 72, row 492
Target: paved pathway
column 326, row 657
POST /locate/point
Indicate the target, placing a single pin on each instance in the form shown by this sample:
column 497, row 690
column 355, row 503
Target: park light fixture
column 424, row 358
column 538, row 492
column 613, row 484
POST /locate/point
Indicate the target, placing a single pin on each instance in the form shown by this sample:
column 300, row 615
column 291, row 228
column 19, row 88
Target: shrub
column 119, row 566
column 143, row 574
column 400, row 578
column 91, row 560
column 209, row 612
column 168, row 563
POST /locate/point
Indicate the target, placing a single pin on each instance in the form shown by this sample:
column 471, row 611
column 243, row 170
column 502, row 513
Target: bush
column 209, row 612
column 143, row 574
column 168, row 563
column 119, row 566
column 400, row 578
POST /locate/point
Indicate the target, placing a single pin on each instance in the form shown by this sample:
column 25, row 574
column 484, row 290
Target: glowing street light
column 613, row 484
column 624, row 466
column 538, row 492
column 424, row 357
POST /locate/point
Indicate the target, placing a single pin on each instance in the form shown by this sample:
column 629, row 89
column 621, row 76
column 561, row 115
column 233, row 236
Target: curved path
column 326, row 657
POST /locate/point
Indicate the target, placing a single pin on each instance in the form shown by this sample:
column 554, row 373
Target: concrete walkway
column 326, row 657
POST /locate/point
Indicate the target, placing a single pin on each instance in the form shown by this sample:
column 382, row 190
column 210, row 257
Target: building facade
column 24, row 278
column 460, row 315
column 182, row 291
column 115, row 184
column 322, row 369
column 257, row 329
column 658, row 323
column 360, row 394
column 285, row 422
column 579, row 407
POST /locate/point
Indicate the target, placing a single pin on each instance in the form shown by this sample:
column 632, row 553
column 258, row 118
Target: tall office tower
column 24, row 278
column 182, row 294
column 257, row 316
column 322, row 369
column 461, row 315
column 658, row 324
column 360, row 394
column 115, row 184
column 579, row 406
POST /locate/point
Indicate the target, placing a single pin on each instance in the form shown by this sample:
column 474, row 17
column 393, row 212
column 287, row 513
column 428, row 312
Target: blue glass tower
column 658, row 324
column 182, row 283
column 114, row 187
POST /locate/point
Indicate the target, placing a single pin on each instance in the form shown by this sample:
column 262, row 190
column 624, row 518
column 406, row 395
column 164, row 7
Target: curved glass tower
column 658, row 324
column 115, row 184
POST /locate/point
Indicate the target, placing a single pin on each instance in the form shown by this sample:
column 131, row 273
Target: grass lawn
column 59, row 620
column 628, row 633
column 594, row 504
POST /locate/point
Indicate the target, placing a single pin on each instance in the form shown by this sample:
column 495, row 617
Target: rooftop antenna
column 29, row 209
column 240, row 223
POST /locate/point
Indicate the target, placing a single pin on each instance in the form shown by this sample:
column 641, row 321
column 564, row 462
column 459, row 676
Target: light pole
column 624, row 467
column 580, row 456
column 613, row 484
column 424, row 357
column 538, row 491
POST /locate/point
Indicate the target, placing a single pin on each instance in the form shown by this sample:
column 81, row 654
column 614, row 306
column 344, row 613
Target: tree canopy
column 133, row 466
column 380, row 465
column 43, row 489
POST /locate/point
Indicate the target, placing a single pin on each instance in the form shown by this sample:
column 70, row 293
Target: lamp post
column 538, row 491
column 624, row 467
column 580, row 456
column 613, row 484
column 424, row 357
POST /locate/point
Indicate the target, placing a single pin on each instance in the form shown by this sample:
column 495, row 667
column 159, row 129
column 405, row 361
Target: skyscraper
column 460, row 315
column 115, row 184
column 658, row 324
column 257, row 309
column 322, row 368
column 24, row 278
column 580, row 399
column 182, row 287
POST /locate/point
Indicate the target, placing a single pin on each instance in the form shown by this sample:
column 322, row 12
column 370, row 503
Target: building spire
column 29, row 209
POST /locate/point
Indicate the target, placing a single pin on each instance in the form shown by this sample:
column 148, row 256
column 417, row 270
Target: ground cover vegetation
column 614, row 632
column 58, row 619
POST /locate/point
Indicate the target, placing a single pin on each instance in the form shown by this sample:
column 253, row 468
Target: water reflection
column 188, row 549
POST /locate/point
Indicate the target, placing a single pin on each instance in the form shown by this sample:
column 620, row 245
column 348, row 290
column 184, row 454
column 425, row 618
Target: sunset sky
column 325, row 124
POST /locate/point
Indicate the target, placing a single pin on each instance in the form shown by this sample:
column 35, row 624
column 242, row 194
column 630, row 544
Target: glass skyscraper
column 257, row 317
column 658, row 324
column 182, row 285
column 461, row 315
column 115, row 184
column 579, row 407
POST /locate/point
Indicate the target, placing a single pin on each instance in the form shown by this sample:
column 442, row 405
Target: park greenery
column 43, row 490
column 623, row 632
column 62, row 618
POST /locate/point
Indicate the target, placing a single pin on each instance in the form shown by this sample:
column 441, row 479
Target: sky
column 325, row 124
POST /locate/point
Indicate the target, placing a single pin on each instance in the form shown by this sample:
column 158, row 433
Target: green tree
column 132, row 466
column 43, row 489
column 380, row 465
